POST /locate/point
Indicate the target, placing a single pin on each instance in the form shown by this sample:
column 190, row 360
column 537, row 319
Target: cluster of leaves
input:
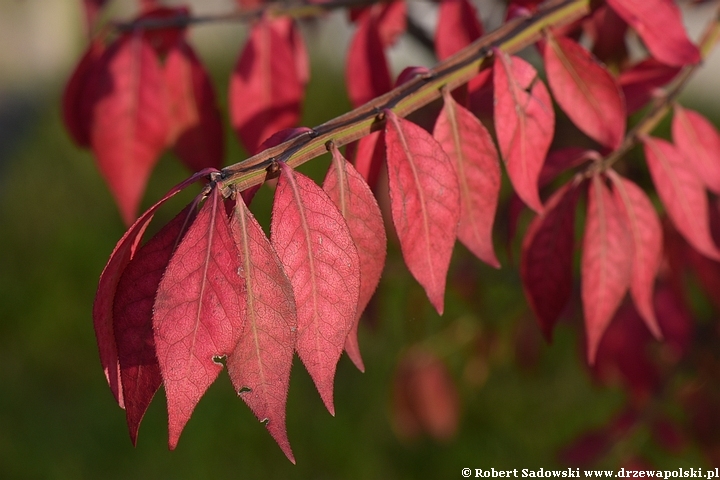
column 211, row 289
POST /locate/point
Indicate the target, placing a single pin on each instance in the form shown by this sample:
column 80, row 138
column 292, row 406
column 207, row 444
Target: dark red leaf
column 646, row 233
column 524, row 123
column 607, row 32
column 199, row 312
column 699, row 142
column 682, row 192
column 659, row 24
column 585, row 90
column 130, row 121
column 640, row 82
column 425, row 203
column 621, row 356
column 76, row 104
column 163, row 39
column 547, row 257
column 470, row 146
column 368, row 155
column 107, row 287
column 366, row 72
column 132, row 315
column 348, row 190
column 265, row 89
column 320, row 258
column 607, row 261
column 458, row 26
column 259, row 365
column 197, row 131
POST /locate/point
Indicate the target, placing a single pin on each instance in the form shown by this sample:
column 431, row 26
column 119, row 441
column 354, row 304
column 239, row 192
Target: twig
column 409, row 97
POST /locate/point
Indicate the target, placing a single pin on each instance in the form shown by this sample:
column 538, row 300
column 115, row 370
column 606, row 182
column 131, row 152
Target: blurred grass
column 58, row 418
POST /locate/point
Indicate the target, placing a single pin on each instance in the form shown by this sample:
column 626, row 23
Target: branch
column 409, row 97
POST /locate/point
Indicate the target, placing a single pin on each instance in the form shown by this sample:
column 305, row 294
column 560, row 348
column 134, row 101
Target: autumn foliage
column 210, row 289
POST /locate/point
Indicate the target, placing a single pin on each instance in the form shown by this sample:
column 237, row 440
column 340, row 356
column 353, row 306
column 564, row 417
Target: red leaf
column 659, row 24
column 699, row 142
column 470, row 146
column 458, row 26
column 547, row 257
column 640, row 82
column 391, row 21
column 425, row 399
column 607, row 261
column 265, row 89
column 197, row 129
column 366, row 72
column 317, row 251
column 163, row 39
column 76, row 105
column 389, row 18
column 132, row 314
column 524, row 123
column 585, row 90
column 607, row 32
column 425, row 203
column 348, row 190
column 682, row 193
column 646, row 233
column 259, row 366
column 368, row 155
column 198, row 314
column 107, row 287
column 287, row 28
column 130, row 122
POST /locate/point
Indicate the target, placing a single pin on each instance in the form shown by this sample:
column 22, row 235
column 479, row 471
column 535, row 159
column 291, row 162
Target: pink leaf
column 607, row 260
column 682, row 193
column 647, row 239
column 107, row 287
column 547, row 257
column 132, row 314
column 197, row 129
column 524, row 124
column 349, row 192
column 458, row 26
column 259, row 365
column 76, row 106
column 366, row 72
column 425, row 203
column 640, row 82
column 699, row 142
column 265, row 89
column 130, row 122
column 198, row 312
column 585, row 90
column 317, row 251
column 659, row 24
column 470, row 146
